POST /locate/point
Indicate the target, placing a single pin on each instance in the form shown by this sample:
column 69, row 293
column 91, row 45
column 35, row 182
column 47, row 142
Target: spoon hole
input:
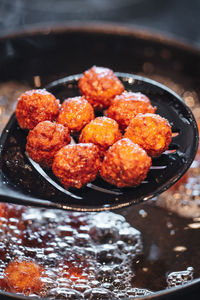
column 170, row 151
column 176, row 133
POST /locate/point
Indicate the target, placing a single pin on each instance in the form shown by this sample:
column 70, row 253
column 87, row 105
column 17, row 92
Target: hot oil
column 170, row 248
column 100, row 255
column 83, row 255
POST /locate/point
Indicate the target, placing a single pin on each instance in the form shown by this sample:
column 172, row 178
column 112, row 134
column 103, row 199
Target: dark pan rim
column 156, row 295
column 115, row 29
column 105, row 28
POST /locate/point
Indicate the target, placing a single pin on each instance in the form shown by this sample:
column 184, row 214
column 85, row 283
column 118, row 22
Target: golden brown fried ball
column 127, row 105
column 102, row 132
column 44, row 140
column 125, row 164
column 75, row 113
column 76, row 165
column 100, row 85
column 35, row 106
column 23, row 277
column 152, row 132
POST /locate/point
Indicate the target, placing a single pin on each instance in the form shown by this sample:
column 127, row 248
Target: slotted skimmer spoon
column 23, row 181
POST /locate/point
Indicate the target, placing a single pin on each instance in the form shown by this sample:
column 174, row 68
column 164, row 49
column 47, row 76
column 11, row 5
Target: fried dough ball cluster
column 125, row 164
column 103, row 132
column 152, row 132
column 76, row 165
column 35, row 106
column 75, row 113
column 100, row 86
column 23, row 276
column 127, row 105
column 44, row 141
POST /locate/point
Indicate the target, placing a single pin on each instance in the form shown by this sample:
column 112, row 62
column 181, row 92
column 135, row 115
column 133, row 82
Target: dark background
column 179, row 19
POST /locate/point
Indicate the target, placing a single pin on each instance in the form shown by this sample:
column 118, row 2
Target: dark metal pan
column 58, row 53
column 21, row 178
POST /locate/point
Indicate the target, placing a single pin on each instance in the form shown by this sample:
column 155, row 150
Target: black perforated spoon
column 23, row 181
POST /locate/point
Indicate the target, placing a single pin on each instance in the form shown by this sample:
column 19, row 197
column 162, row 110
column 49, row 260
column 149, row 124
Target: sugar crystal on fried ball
column 125, row 164
column 126, row 106
column 76, row 165
column 23, row 276
column 102, row 132
column 35, row 106
column 152, row 132
column 75, row 113
column 100, row 85
column 44, row 140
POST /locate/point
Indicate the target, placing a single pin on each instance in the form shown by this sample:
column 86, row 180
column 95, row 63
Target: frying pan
column 60, row 52
column 22, row 177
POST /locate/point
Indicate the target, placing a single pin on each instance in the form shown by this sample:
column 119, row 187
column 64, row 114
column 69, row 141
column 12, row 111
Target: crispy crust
column 44, row 141
column 35, row 106
column 76, row 165
column 102, row 132
column 127, row 105
column 125, row 164
column 75, row 113
column 152, row 132
column 23, row 277
column 99, row 86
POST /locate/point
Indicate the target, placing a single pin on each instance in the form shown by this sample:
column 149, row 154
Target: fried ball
column 127, row 105
column 35, row 106
column 100, row 85
column 44, row 140
column 125, row 164
column 23, row 276
column 76, row 165
column 152, row 132
column 102, row 132
column 75, row 113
